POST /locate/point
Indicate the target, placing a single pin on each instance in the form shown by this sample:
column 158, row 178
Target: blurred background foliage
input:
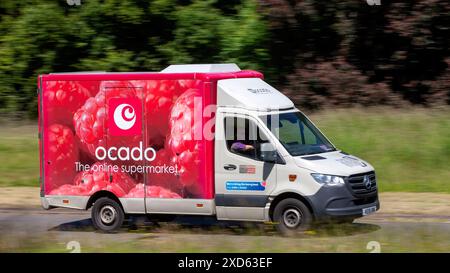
column 321, row 53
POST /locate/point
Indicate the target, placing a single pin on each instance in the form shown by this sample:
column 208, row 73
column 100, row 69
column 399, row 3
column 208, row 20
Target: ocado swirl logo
column 124, row 116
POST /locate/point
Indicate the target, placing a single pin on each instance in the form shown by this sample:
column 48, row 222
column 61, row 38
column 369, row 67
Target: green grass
column 410, row 148
column 19, row 155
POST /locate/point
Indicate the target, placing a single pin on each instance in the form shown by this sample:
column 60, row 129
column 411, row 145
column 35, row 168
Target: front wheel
column 292, row 216
column 107, row 215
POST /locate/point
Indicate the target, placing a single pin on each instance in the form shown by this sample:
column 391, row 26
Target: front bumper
column 339, row 202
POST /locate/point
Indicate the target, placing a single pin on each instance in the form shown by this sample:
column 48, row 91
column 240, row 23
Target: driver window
column 243, row 137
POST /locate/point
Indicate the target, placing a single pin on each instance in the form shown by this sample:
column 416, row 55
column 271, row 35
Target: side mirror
column 268, row 152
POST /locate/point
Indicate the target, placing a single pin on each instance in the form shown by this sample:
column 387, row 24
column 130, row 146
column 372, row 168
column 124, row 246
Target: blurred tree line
column 321, row 53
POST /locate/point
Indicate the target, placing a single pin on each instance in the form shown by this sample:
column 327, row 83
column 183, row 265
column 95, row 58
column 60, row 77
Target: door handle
column 229, row 167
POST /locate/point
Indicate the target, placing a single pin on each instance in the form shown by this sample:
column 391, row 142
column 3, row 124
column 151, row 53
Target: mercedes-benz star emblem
column 367, row 182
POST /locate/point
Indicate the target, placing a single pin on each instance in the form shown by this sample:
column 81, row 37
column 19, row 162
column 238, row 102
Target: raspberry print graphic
column 91, row 86
column 61, row 155
column 184, row 139
column 97, row 179
column 69, row 189
column 188, row 164
column 151, row 191
column 167, row 180
column 62, row 99
column 158, row 97
column 91, row 120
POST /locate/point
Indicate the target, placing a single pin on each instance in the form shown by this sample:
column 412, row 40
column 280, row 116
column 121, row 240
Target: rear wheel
column 292, row 216
column 107, row 215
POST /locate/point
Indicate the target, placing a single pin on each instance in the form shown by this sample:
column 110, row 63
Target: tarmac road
column 37, row 230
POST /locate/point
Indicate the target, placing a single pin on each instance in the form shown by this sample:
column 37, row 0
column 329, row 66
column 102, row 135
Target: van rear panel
column 133, row 138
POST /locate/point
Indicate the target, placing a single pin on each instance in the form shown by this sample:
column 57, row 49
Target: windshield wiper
column 301, row 154
column 331, row 150
column 312, row 153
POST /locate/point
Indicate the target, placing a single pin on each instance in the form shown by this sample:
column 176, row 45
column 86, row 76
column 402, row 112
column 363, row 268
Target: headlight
column 330, row 180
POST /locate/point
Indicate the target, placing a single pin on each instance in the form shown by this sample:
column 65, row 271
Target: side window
column 243, row 137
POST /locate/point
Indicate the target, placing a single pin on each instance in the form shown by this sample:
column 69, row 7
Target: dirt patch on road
column 19, row 197
column 412, row 207
column 415, row 203
column 393, row 204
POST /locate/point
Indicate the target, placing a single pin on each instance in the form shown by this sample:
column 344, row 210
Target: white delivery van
column 238, row 148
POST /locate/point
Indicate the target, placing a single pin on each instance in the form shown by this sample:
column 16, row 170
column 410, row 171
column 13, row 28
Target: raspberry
column 62, row 99
column 184, row 140
column 90, row 121
column 158, row 97
column 97, row 178
column 151, row 191
column 69, row 189
column 62, row 153
column 167, row 180
column 91, row 86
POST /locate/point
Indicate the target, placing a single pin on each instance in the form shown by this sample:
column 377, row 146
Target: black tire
column 292, row 216
column 112, row 212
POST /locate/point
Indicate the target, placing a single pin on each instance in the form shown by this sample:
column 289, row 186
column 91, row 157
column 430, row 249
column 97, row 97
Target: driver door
column 243, row 181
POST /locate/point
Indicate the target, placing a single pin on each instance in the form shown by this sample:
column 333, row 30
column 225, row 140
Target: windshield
column 297, row 134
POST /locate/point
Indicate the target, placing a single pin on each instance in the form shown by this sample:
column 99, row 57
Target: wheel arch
column 286, row 195
column 101, row 194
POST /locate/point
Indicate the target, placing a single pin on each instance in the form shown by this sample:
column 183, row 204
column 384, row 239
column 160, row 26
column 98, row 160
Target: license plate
column 369, row 210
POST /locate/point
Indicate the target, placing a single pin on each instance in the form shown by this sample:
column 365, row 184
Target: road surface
column 63, row 230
